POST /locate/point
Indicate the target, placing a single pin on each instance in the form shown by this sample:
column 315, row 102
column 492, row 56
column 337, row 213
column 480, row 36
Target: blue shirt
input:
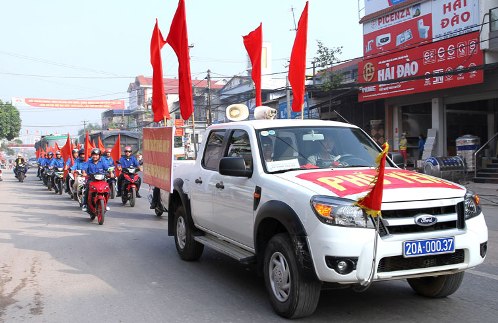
column 127, row 162
column 40, row 160
column 108, row 160
column 47, row 161
column 96, row 168
column 79, row 164
column 69, row 162
column 57, row 162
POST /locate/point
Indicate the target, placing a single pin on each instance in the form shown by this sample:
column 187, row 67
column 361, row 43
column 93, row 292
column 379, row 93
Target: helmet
column 127, row 148
column 75, row 150
column 19, row 155
column 81, row 151
column 57, row 152
column 50, row 153
column 95, row 151
column 108, row 150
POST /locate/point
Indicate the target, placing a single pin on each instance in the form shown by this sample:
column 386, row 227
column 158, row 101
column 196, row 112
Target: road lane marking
column 480, row 273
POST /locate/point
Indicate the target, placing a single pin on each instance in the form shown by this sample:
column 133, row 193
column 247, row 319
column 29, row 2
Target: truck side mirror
column 234, row 166
column 397, row 159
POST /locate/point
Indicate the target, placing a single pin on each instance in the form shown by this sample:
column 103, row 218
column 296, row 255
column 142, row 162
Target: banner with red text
column 69, row 104
column 435, row 66
column 158, row 157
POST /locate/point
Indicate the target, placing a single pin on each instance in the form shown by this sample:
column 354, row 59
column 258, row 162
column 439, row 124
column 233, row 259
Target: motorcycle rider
column 95, row 165
column 46, row 163
column 57, row 162
column 40, row 162
column 126, row 161
column 69, row 163
column 79, row 165
column 107, row 157
column 19, row 161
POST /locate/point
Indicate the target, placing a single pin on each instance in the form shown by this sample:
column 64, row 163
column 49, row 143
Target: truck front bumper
column 357, row 246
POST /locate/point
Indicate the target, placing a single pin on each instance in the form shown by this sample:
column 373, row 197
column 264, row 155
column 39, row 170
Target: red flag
column 297, row 66
column 178, row 40
column 159, row 103
column 254, row 46
column 66, row 149
column 38, row 153
column 57, row 147
column 88, row 146
column 372, row 202
column 100, row 145
column 116, row 152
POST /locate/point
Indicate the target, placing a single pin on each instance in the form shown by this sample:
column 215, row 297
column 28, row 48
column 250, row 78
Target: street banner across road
column 69, row 104
column 158, row 157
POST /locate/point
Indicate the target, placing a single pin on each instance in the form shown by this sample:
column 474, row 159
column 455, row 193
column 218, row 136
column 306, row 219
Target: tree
column 326, row 58
column 89, row 128
column 10, row 121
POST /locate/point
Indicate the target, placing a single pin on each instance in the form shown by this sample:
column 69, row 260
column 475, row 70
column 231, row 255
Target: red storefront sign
column 179, row 131
column 435, row 66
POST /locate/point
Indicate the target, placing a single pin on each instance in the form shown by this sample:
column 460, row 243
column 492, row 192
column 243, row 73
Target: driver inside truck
column 325, row 153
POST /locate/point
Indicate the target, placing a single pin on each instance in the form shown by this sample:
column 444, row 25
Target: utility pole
column 287, row 84
column 208, row 117
column 84, row 126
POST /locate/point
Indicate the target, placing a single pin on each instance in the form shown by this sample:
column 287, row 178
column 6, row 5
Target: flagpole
column 302, row 112
column 193, row 133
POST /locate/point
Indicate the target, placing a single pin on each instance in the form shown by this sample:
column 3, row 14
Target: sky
column 93, row 49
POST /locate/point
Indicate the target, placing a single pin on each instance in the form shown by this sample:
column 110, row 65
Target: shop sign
column 423, row 22
column 69, row 104
column 430, row 67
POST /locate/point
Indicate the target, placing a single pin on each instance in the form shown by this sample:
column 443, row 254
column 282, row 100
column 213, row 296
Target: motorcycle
column 129, row 188
column 21, row 172
column 98, row 195
column 112, row 184
column 47, row 177
column 40, row 172
column 58, row 180
column 156, row 203
column 78, row 187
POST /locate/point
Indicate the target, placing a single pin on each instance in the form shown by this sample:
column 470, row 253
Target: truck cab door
column 233, row 196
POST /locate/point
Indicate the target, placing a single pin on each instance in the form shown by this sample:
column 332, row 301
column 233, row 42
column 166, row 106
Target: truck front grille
column 388, row 264
column 403, row 221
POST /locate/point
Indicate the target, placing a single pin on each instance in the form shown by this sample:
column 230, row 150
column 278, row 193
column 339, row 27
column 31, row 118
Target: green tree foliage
column 325, row 59
column 89, row 127
column 10, row 121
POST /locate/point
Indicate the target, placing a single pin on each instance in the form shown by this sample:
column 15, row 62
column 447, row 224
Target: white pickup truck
column 280, row 194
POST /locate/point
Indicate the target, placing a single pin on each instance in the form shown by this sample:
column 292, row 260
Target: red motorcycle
column 129, row 186
column 98, row 195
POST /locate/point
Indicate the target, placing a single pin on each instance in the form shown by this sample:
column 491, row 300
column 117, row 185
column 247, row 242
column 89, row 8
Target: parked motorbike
column 47, row 177
column 112, row 184
column 58, row 180
column 21, row 172
column 129, row 186
column 98, row 195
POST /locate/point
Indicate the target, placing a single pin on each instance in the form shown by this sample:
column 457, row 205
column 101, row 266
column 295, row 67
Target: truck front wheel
column 436, row 286
column 187, row 247
column 291, row 295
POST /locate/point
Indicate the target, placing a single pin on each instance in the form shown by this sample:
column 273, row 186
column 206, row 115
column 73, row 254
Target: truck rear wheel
column 436, row 286
column 291, row 294
column 187, row 247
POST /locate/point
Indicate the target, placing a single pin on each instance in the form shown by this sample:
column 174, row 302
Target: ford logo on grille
column 425, row 220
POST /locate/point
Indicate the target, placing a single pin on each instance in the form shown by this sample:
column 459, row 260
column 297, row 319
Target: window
column 240, row 146
column 213, row 151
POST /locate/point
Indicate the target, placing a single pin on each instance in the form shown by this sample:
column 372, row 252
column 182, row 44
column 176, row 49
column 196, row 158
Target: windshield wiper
column 286, row 170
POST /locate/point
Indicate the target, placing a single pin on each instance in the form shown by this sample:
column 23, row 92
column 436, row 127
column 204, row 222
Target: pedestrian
column 421, row 143
column 403, row 144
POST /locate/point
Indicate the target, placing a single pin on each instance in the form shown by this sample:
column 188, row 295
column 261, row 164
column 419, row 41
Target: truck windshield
column 284, row 149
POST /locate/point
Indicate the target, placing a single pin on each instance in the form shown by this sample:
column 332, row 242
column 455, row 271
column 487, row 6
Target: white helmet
column 19, row 155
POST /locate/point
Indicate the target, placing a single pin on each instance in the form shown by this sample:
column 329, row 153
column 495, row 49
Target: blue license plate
column 428, row 247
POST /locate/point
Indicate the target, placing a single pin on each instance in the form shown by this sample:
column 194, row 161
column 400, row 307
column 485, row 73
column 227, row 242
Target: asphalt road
column 58, row 266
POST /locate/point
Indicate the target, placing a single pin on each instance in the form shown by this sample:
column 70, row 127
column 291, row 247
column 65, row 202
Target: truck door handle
column 198, row 181
column 220, row 185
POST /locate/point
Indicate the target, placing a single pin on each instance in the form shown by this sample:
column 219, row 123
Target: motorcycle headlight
column 99, row 177
column 343, row 212
column 472, row 205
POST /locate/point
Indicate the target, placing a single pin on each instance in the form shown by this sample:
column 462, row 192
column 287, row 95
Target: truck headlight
column 472, row 205
column 343, row 212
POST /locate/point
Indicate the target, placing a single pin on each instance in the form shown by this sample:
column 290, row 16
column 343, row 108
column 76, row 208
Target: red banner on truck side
column 435, row 66
column 158, row 157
